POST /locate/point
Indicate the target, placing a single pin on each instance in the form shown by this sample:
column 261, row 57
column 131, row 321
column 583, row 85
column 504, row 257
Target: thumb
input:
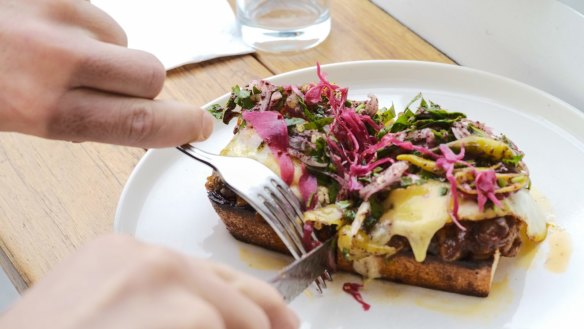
column 91, row 115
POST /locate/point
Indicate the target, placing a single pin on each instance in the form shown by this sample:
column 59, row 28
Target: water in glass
column 283, row 25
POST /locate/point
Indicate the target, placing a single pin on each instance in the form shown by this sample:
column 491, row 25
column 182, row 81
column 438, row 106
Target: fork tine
column 292, row 201
column 292, row 204
column 294, row 216
column 284, row 218
column 288, row 218
column 265, row 209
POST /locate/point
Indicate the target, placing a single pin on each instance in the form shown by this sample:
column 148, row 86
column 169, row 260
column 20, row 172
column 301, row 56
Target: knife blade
column 296, row 277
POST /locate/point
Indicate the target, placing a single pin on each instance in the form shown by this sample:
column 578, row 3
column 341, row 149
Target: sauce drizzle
column 560, row 252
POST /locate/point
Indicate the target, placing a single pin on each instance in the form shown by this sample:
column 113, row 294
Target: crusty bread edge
column 472, row 278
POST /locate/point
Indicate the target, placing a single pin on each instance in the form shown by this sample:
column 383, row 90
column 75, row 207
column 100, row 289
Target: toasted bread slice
column 464, row 277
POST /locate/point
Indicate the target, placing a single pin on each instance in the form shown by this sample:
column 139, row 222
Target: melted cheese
column 419, row 211
column 416, row 213
column 247, row 143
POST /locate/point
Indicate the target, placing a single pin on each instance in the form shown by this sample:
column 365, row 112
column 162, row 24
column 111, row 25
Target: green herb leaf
column 445, row 123
column 309, row 115
column 376, row 208
column 344, row 204
column 444, row 190
column 217, row 111
column 513, row 161
column 384, row 115
column 346, row 254
column 319, row 150
column 318, row 124
column 415, row 99
column 294, row 121
column 369, row 222
column 406, row 181
column 242, row 97
column 440, row 114
column 349, row 215
column 333, row 190
column 403, row 121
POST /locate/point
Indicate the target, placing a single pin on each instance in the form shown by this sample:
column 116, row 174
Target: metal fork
column 265, row 191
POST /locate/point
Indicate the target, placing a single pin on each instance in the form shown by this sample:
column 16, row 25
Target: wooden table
column 55, row 196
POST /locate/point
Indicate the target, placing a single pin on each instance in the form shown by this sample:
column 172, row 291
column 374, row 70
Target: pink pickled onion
column 273, row 130
column 446, row 162
column 485, row 182
column 308, row 186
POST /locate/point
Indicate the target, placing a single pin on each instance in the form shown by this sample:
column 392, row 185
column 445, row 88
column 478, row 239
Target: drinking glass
column 283, row 25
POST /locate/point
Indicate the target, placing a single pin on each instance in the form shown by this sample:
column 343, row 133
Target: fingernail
column 205, row 126
column 208, row 124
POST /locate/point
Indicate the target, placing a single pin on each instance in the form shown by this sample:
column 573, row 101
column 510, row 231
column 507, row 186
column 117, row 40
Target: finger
column 238, row 311
column 88, row 115
column 261, row 293
column 94, row 20
column 119, row 70
column 202, row 315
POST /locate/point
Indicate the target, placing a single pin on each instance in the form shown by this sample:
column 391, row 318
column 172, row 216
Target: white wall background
column 538, row 42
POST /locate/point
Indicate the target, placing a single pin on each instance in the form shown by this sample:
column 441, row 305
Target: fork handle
column 198, row 154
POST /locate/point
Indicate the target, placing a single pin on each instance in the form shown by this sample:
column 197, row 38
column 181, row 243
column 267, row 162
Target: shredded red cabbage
column 360, row 170
column 351, row 135
column 314, row 94
column 354, row 184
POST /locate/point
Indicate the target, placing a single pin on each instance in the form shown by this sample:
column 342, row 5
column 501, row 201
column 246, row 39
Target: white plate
column 165, row 202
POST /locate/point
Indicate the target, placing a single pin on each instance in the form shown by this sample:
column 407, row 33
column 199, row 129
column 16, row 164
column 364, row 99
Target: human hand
column 118, row 282
column 65, row 73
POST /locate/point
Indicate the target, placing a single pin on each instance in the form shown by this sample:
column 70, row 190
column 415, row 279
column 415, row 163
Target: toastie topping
column 375, row 175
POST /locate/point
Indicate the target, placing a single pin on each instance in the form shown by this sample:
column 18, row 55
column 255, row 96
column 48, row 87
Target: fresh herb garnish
column 217, row 111
column 242, row 97
column 294, row 121
column 513, row 161
column 385, row 115
column 318, row 124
